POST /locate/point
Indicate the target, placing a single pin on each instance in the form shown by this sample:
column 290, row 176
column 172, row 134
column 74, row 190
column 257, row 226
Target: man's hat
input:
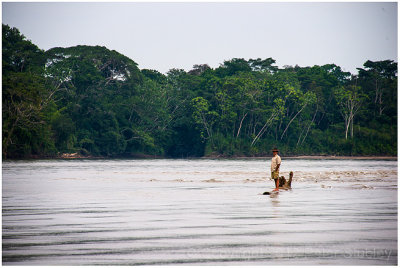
column 275, row 150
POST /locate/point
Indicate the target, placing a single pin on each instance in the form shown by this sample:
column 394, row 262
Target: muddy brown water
column 198, row 212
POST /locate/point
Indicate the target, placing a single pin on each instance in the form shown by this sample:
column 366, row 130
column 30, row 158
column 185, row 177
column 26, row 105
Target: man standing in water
column 275, row 164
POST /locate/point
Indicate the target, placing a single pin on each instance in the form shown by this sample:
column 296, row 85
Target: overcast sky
column 163, row 36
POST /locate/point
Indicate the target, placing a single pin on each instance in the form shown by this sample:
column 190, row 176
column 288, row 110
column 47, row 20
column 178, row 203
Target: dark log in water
column 283, row 183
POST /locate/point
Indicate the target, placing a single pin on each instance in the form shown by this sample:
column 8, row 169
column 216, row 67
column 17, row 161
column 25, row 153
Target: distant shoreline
column 311, row 157
column 219, row 157
column 343, row 157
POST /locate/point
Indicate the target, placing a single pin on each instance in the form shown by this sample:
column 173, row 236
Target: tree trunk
column 240, row 126
column 308, row 129
column 8, row 139
column 263, row 128
column 346, row 125
column 352, row 127
column 292, row 120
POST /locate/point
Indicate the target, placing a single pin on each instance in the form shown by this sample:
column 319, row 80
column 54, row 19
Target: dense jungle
column 96, row 102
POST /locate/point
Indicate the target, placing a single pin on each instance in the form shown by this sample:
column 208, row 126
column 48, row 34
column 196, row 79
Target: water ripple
column 163, row 212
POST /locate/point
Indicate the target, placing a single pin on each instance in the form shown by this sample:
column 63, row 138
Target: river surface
column 198, row 212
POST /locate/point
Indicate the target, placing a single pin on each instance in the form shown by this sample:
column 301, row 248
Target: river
column 198, row 212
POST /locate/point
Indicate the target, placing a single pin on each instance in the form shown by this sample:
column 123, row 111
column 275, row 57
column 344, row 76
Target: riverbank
column 145, row 156
column 311, row 157
column 333, row 157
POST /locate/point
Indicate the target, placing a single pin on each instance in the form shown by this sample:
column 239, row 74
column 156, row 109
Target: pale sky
column 162, row 36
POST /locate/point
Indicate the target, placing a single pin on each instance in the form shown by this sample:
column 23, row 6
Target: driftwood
column 283, row 183
column 286, row 184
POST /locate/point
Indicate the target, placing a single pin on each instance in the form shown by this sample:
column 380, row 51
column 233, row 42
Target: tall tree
column 379, row 76
column 204, row 117
column 349, row 99
column 263, row 65
column 24, row 97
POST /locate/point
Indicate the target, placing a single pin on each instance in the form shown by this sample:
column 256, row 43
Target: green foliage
column 97, row 102
column 19, row 54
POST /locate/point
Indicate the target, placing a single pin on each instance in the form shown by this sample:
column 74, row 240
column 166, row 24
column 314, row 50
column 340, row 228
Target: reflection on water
column 132, row 212
column 274, row 198
column 275, row 204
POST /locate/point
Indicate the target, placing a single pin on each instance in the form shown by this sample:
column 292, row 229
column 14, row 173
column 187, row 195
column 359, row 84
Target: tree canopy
column 97, row 102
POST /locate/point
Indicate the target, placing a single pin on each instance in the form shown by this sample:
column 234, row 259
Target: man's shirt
column 276, row 160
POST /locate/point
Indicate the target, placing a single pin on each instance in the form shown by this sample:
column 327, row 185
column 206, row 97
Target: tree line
column 97, row 102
